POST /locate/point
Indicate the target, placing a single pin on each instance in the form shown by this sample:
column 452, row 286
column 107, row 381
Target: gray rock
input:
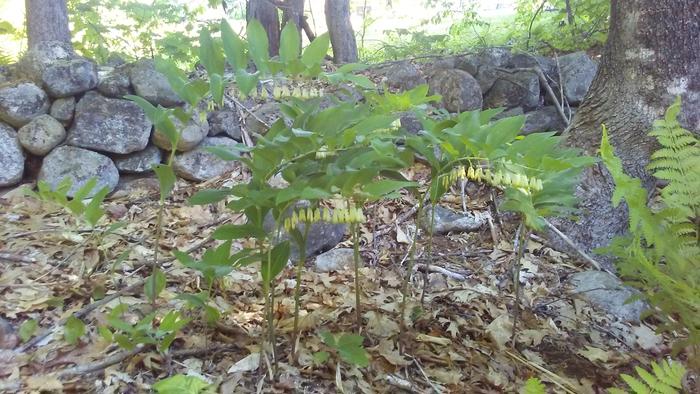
column 509, row 113
column 42, row 55
column 138, row 162
column 114, row 82
column 20, row 102
column 410, row 122
column 191, row 134
column 63, row 109
column 322, row 236
column 544, row 119
column 201, row 165
column 79, row 165
column 607, row 292
column 11, row 157
column 109, row 125
column 512, row 90
column 439, row 64
column 335, row 260
column 41, row 135
column 577, row 73
column 459, row 90
column 65, row 78
column 403, row 76
column 152, row 85
column 268, row 112
column 526, row 60
column 224, row 122
column 483, row 65
column 447, row 220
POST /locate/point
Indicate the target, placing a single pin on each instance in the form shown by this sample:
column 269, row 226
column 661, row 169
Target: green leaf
column 321, row 357
column 316, row 51
column 290, row 43
column 234, row 47
column 166, row 179
column 181, row 384
column 277, row 260
column 154, row 285
column 216, row 87
column 73, row 330
column 351, row 351
column 209, row 196
column 94, row 211
column 383, row 187
column 209, row 55
column 245, row 81
column 258, row 45
column 534, row 386
column 27, row 329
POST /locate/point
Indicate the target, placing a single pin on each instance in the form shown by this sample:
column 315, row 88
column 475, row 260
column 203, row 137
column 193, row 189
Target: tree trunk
column 266, row 12
column 340, row 30
column 293, row 10
column 47, row 20
column 650, row 58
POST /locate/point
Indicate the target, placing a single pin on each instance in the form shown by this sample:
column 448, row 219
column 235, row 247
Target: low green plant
column 183, row 384
column 344, row 347
column 90, row 212
column 533, row 386
column 149, row 330
column 666, row 378
column 659, row 255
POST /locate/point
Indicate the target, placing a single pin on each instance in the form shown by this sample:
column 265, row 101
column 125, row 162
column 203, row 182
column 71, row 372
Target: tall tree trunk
column 652, row 56
column 47, row 20
column 266, row 12
column 293, row 10
column 340, row 30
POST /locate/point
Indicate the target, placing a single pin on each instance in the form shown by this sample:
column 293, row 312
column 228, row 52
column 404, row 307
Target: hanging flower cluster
column 279, row 92
column 499, row 179
column 340, row 215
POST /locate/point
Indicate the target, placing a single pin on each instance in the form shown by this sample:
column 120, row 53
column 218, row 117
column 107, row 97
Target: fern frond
column 665, row 379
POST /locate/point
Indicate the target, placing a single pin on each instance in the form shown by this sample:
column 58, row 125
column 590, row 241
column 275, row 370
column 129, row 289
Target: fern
column 666, row 379
column 660, row 253
column 533, row 386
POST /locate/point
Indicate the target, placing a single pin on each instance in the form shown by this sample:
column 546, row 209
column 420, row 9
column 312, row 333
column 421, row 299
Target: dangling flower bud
column 302, row 215
column 470, row 173
column 327, row 215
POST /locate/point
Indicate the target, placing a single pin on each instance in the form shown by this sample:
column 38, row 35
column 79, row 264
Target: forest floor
column 457, row 340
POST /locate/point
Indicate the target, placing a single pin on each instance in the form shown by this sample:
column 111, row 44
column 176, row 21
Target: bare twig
column 571, row 243
column 435, row 388
column 441, row 270
column 107, row 362
column 548, row 89
column 16, row 258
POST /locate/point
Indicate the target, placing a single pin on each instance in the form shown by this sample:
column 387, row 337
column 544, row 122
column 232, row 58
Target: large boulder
column 11, row 157
column 484, row 65
column 446, row 220
column 224, row 122
column 109, row 125
column 79, row 165
column 403, row 76
column 607, row 292
column 22, row 101
column 62, row 110
column 41, row 135
column 577, row 72
column 201, row 165
column 43, row 55
column 191, row 134
column 526, row 60
column 114, row 82
column 544, row 119
column 268, row 112
column 521, row 88
column 459, row 90
column 138, row 162
column 66, row 78
column 152, row 85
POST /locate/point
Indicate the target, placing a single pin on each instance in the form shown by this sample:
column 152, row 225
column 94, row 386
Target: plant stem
column 297, row 289
column 429, row 252
column 409, row 272
column 520, row 240
column 358, row 289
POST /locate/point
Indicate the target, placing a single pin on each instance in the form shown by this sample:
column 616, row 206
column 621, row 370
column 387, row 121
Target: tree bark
column 650, row 58
column 266, row 12
column 47, row 20
column 293, row 10
column 340, row 30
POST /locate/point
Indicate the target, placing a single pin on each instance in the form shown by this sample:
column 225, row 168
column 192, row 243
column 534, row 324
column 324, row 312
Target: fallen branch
column 16, row 258
column 571, row 243
column 441, row 270
column 548, row 89
column 107, row 362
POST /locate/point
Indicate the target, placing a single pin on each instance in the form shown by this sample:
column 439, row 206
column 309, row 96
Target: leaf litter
column 458, row 340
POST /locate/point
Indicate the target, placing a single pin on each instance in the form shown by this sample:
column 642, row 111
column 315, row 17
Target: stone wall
column 68, row 114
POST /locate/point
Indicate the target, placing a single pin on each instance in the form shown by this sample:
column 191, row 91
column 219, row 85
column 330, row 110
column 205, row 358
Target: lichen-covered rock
column 410, row 122
column 22, row 101
column 577, row 72
column 41, row 135
column 268, row 112
column 520, row 88
column 109, row 125
column 152, row 85
column 65, row 78
column 114, row 82
column 79, row 165
column 63, row 109
column 335, row 260
column 403, row 76
column 11, row 157
column 200, row 165
column 459, row 90
column 42, row 55
column 191, row 134
column 483, row 65
column 607, row 292
column 224, row 122
column 447, row 220
column 544, row 119
column 138, row 162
